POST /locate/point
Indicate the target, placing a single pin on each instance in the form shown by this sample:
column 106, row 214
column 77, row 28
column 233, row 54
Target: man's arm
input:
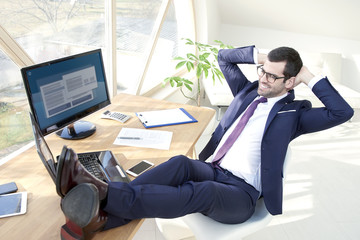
column 304, row 76
column 228, row 60
column 336, row 110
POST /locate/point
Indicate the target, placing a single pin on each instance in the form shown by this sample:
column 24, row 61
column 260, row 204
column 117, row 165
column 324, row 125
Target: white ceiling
column 332, row 18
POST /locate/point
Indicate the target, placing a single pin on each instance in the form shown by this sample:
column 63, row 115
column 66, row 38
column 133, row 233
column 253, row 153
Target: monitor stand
column 77, row 130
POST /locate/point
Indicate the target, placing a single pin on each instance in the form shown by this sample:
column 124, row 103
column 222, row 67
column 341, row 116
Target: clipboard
column 165, row 117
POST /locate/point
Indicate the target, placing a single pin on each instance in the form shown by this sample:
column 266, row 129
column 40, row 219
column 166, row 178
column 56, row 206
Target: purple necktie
column 236, row 132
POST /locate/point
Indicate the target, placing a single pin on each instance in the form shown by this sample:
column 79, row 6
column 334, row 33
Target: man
column 246, row 156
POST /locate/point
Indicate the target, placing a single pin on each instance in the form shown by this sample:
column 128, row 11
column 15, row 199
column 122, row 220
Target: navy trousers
column 178, row 187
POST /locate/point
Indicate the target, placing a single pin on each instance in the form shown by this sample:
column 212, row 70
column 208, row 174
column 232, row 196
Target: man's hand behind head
column 304, row 76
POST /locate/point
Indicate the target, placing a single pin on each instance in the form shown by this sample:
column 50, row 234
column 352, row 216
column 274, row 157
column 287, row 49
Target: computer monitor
column 62, row 91
column 43, row 149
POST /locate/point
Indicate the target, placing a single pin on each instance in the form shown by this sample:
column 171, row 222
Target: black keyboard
column 91, row 162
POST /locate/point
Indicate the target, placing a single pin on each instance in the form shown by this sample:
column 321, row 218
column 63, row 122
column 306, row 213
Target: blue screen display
column 64, row 90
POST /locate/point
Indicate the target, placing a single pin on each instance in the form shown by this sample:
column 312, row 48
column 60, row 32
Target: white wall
column 269, row 39
column 210, row 28
column 207, row 20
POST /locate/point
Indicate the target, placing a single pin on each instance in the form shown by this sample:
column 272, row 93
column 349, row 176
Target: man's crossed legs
column 175, row 188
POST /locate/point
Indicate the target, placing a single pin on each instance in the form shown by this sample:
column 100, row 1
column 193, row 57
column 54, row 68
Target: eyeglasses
column 269, row 76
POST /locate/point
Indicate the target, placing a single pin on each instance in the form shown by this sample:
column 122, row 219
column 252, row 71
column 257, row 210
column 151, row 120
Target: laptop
column 101, row 164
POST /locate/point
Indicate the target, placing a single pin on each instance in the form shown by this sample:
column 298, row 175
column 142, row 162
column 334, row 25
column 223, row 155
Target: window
column 135, row 22
column 147, row 33
column 165, row 49
column 15, row 130
column 50, row 29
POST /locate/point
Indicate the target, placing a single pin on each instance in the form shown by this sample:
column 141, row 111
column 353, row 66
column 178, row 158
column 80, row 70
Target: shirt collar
column 273, row 100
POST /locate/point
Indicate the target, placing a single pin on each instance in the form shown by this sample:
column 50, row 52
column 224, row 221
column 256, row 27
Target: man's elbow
column 345, row 114
column 349, row 113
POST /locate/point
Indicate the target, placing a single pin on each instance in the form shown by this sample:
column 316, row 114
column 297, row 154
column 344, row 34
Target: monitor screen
column 64, row 90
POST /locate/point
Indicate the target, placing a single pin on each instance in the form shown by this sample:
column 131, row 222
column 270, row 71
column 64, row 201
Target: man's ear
column 290, row 83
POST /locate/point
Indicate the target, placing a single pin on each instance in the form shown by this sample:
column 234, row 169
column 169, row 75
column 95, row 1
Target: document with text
column 135, row 137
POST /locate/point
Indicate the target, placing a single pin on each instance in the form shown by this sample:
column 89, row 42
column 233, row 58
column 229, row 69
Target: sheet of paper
column 145, row 138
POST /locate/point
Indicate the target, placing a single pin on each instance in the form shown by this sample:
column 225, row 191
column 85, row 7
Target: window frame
column 13, row 50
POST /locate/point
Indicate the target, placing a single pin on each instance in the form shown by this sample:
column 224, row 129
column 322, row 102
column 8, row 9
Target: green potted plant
column 203, row 61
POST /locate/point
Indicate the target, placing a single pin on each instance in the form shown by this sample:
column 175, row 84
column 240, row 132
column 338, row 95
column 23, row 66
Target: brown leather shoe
column 70, row 173
column 81, row 207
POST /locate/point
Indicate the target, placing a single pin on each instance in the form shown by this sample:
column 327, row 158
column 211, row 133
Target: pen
column 132, row 138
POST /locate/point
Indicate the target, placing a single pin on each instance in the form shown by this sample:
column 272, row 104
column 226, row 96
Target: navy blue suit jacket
column 287, row 120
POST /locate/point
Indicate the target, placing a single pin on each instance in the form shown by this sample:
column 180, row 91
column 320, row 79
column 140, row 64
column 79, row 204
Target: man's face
column 266, row 87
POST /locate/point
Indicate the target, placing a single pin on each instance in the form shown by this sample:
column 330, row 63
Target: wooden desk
column 44, row 217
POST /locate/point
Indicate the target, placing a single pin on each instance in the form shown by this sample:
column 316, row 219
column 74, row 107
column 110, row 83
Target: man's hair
column 290, row 56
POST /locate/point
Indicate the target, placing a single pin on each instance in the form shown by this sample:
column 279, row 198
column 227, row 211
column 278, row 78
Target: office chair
column 199, row 227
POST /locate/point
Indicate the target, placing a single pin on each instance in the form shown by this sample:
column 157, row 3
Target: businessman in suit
column 242, row 161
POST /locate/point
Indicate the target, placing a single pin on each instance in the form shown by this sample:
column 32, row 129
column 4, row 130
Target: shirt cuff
column 314, row 80
column 255, row 54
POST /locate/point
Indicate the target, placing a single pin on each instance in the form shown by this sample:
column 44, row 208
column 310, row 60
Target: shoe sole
column 81, row 204
column 59, row 169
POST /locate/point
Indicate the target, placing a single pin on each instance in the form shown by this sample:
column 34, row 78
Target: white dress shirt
column 243, row 158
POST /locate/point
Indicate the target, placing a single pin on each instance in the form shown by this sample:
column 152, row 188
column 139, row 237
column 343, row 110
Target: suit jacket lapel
column 276, row 108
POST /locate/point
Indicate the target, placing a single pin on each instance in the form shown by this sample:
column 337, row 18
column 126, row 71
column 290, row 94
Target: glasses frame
column 270, row 77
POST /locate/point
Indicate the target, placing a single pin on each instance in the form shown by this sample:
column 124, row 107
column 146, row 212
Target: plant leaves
column 188, row 87
column 215, row 50
column 180, row 64
column 205, row 55
column 213, row 77
column 218, row 72
column 189, row 66
column 189, row 42
column 191, row 56
column 206, row 72
column 207, row 62
column 186, row 81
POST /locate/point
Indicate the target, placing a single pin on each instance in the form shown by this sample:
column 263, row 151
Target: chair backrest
column 286, row 161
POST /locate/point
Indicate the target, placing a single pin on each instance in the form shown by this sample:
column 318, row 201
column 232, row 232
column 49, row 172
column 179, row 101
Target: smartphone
column 139, row 168
column 8, row 188
column 13, row 204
